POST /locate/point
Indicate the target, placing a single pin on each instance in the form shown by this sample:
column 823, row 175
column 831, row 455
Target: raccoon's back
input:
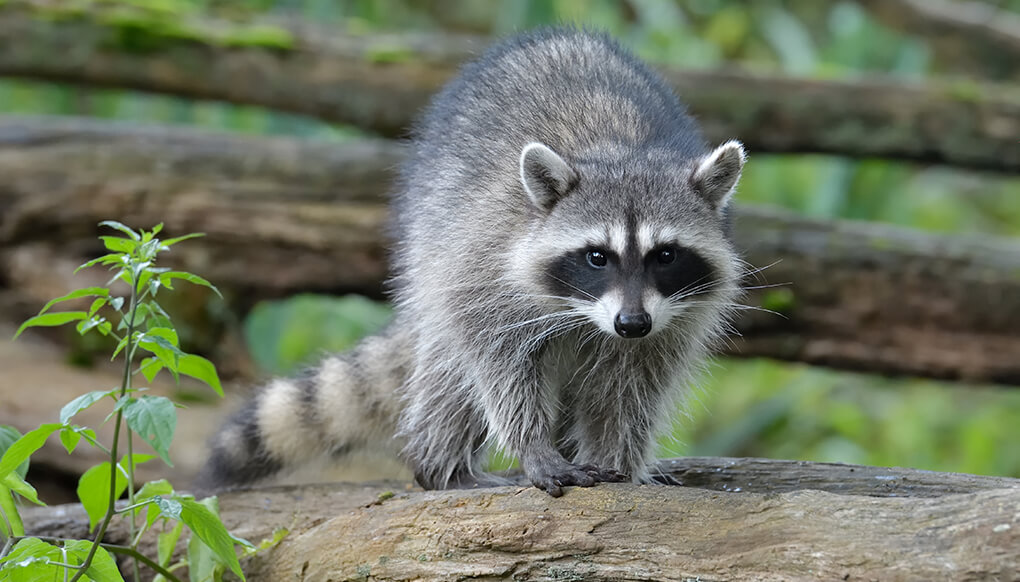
column 570, row 89
column 578, row 92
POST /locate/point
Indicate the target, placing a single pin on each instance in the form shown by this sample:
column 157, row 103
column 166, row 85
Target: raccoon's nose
column 633, row 325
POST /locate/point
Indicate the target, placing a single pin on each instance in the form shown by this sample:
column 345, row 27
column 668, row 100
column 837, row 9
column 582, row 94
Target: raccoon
column 561, row 267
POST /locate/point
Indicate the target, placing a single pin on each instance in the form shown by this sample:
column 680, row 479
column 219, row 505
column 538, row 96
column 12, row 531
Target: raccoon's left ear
column 716, row 174
column 545, row 176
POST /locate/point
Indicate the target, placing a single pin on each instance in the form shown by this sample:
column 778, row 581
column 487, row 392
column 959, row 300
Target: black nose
column 631, row 325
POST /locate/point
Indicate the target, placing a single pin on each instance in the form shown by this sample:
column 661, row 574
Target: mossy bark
column 382, row 82
column 284, row 216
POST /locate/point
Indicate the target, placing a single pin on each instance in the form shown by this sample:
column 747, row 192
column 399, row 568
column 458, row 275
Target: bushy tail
column 345, row 404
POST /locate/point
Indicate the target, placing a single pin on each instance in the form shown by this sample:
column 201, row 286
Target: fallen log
column 382, row 82
column 797, row 521
column 285, row 216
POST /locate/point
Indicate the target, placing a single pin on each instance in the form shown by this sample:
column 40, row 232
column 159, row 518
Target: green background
column 742, row 407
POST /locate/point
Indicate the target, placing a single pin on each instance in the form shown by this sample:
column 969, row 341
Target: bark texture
column 962, row 528
column 282, row 215
column 381, row 83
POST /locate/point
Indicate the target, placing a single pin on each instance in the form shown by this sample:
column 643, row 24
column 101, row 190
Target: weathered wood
column 612, row 532
column 382, row 82
column 285, row 216
column 970, row 36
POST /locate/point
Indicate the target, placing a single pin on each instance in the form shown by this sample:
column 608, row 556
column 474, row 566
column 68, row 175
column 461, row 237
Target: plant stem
column 131, row 488
column 132, row 526
column 124, row 387
column 126, row 551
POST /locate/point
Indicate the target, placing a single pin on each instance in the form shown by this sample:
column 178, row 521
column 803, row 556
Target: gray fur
column 553, row 143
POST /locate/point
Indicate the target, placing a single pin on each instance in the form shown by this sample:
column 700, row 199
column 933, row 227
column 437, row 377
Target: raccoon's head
column 631, row 246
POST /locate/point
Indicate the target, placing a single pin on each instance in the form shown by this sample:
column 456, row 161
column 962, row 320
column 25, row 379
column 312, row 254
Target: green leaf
column 31, row 558
column 147, row 236
column 141, row 314
column 118, row 244
column 154, row 418
column 77, row 294
column 150, row 367
column 114, row 224
column 110, row 259
column 94, row 491
column 82, row 402
column 85, row 325
column 168, row 353
column 203, row 521
column 152, row 488
column 117, row 302
column 201, row 369
column 148, row 491
column 17, row 484
column 172, row 241
column 51, row 320
column 9, row 512
column 166, row 543
column 69, row 438
column 8, row 436
column 166, row 333
column 169, row 507
column 202, row 563
column 120, row 346
column 22, row 449
column 160, row 317
column 102, row 569
column 166, row 279
column 278, row 535
column 97, row 305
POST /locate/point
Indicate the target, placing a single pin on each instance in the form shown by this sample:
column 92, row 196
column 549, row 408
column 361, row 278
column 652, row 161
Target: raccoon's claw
column 605, row 475
column 553, row 482
column 664, row 479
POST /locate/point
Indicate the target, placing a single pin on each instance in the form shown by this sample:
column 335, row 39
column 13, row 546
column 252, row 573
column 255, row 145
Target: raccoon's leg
column 522, row 410
column 444, row 433
column 617, row 426
column 345, row 403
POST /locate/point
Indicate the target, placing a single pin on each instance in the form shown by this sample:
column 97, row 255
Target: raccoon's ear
column 545, row 176
column 717, row 174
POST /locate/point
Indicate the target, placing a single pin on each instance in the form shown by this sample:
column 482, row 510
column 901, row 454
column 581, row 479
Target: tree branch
column 285, row 216
column 382, row 82
column 967, row 34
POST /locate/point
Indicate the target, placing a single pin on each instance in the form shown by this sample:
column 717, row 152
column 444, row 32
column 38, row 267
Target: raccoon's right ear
column 545, row 176
column 717, row 174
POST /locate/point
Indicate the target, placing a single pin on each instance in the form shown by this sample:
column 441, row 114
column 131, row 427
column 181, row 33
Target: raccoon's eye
column 665, row 256
column 597, row 259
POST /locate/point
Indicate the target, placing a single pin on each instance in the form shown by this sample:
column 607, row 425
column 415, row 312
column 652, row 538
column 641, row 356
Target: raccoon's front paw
column 552, row 478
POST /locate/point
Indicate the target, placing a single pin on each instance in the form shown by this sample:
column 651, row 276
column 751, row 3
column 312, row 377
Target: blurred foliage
column 762, row 408
column 286, row 335
column 745, row 407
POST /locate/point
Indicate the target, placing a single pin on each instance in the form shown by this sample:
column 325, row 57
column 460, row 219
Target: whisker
column 575, row 288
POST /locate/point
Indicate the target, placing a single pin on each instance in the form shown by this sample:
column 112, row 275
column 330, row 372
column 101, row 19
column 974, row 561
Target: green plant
column 140, row 325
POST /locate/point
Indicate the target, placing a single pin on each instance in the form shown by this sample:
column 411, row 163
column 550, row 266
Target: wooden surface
column 281, row 215
column 382, row 82
column 958, row 527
